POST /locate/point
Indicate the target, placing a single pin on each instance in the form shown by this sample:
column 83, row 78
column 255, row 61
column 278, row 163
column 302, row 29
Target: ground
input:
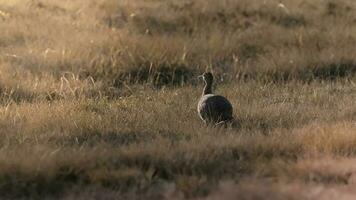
column 98, row 99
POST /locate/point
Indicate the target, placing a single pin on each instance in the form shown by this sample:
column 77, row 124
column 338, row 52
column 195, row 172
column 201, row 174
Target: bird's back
column 214, row 108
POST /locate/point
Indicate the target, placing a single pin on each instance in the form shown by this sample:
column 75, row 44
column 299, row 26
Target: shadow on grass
column 19, row 184
column 180, row 75
column 141, row 171
column 165, row 74
column 314, row 72
column 16, row 95
column 190, row 20
column 334, row 70
column 122, row 173
column 91, row 138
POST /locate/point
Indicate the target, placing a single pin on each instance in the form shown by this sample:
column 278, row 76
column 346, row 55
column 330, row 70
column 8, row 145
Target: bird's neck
column 208, row 88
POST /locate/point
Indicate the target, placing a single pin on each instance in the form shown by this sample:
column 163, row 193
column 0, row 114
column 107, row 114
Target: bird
column 213, row 109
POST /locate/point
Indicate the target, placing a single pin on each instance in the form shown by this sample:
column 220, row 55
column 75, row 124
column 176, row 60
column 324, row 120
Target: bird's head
column 207, row 77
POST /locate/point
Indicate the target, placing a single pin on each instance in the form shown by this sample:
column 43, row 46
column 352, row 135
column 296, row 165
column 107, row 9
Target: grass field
column 98, row 99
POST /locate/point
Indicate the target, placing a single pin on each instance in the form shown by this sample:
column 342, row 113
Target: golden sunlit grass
column 98, row 99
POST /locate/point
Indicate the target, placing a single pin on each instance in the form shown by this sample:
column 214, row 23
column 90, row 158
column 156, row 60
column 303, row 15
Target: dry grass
column 98, row 99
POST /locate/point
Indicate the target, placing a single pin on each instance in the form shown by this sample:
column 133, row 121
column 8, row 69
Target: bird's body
column 213, row 109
